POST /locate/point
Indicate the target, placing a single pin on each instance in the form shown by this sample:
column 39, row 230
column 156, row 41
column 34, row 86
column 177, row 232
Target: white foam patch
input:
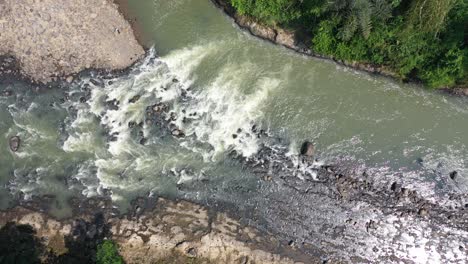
column 28, row 183
column 82, row 136
column 151, row 82
column 222, row 115
column 223, row 109
column 84, row 177
column 183, row 62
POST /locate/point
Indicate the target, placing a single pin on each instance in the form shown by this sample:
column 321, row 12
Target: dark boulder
column 307, row 149
column 453, row 175
column 15, row 143
column 420, row 161
column 134, row 99
column 177, row 133
column 113, row 104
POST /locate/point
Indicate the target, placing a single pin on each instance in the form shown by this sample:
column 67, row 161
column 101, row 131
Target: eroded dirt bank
column 155, row 230
column 58, row 38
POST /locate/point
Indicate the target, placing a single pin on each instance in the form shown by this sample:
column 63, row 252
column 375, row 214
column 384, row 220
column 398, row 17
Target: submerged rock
column 157, row 108
column 134, row 99
column 177, row 133
column 307, row 149
column 15, row 143
column 7, row 93
column 113, row 104
column 420, row 161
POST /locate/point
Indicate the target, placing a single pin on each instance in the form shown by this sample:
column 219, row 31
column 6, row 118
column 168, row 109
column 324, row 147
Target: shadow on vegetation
column 19, row 244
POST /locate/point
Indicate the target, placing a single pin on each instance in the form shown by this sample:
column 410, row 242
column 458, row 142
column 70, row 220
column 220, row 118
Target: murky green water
column 350, row 115
column 226, row 82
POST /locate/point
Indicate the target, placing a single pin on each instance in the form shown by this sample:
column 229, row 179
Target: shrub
column 107, row 253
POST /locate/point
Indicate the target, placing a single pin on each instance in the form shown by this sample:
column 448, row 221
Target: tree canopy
column 422, row 39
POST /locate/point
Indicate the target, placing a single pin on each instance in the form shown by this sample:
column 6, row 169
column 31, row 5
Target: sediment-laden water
column 217, row 116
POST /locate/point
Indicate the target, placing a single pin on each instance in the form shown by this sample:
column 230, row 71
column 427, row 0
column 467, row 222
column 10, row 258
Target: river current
column 231, row 95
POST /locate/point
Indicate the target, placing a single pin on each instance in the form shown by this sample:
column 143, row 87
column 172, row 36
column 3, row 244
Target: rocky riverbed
column 51, row 39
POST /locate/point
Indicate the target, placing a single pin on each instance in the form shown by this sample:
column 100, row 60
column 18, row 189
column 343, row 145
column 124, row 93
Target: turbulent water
column 240, row 103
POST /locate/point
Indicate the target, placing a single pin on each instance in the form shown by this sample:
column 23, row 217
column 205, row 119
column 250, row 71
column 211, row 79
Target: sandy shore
column 58, row 38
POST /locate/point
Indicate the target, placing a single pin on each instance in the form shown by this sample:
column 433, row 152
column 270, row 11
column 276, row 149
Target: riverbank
column 153, row 231
column 300, row 42
column 56, row 39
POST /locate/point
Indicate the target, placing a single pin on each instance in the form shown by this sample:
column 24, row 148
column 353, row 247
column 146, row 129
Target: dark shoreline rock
column 307, row 149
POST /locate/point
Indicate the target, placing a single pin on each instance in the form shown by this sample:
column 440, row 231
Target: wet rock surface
column 307, row 149
column 347, row 211
column 14, row 143
column 56, row 38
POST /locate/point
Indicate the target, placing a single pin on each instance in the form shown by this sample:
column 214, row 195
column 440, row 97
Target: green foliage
column 107, row 253
column 325, row 37
column 450, row 68
column 429, row 15
column 359, row 14
column 279, row 11
column 422, row 39
column 269, row 11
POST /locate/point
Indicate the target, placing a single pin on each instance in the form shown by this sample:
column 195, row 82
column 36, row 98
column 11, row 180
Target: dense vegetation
column 107, row 253
column 422, row 39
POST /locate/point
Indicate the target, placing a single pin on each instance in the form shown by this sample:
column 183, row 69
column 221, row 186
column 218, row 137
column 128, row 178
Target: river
column 232, row 94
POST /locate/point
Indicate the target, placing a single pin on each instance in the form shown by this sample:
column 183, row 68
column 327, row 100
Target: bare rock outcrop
column 149, row 235
column 57, row 38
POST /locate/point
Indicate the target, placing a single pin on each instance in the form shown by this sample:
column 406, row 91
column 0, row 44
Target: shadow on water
column 20, row 245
